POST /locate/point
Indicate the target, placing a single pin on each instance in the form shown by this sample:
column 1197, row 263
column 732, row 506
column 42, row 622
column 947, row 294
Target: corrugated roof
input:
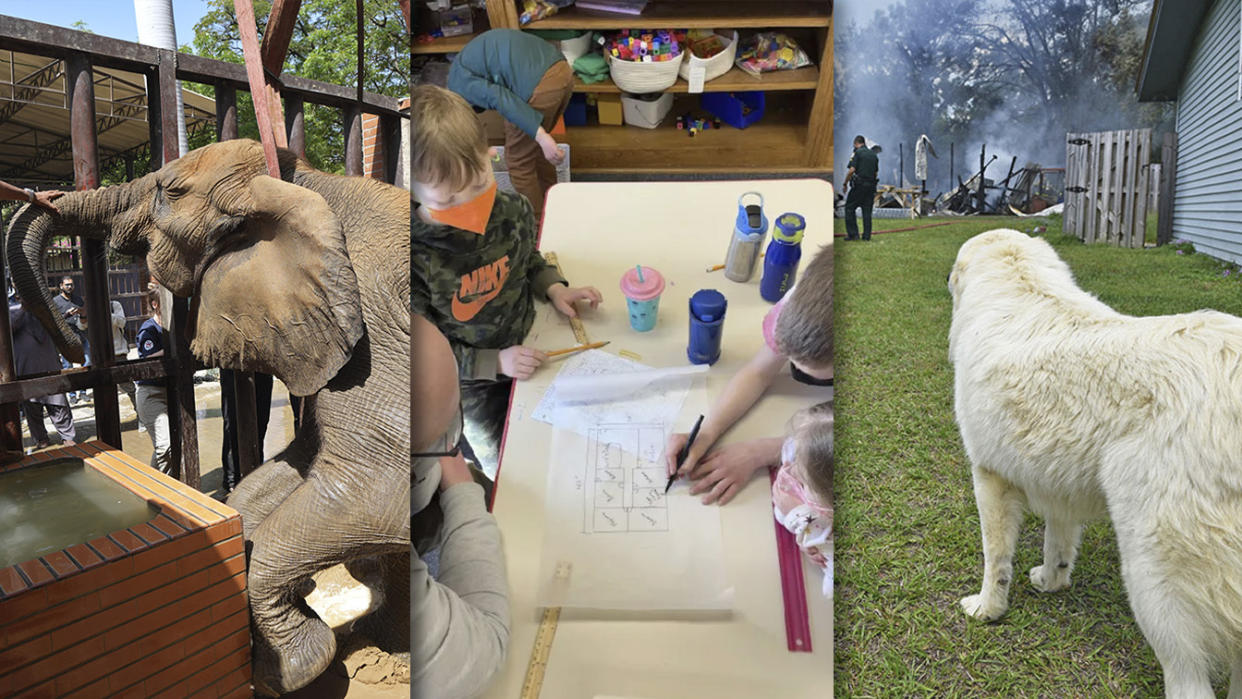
column 34, row 117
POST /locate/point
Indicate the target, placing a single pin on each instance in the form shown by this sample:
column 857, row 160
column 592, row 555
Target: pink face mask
column 789, row 493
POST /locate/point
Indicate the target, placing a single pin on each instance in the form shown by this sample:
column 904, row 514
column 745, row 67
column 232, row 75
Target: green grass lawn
column 908, row 544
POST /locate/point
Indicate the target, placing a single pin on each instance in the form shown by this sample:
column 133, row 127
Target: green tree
column 322, row 48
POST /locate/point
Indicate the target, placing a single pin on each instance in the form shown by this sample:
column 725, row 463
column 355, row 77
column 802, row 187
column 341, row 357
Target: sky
column 113, row 18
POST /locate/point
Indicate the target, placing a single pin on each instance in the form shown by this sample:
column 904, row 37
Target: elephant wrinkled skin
column 305, row 277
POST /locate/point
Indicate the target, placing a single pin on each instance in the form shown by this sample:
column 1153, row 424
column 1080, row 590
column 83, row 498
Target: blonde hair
column 811, row 430
column 448, row 143
column 804, row 327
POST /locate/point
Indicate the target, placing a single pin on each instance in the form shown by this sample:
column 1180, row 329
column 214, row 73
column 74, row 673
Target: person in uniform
column 861, row 178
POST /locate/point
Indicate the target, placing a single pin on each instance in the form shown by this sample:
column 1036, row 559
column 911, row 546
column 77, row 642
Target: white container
column 713, row 67
column 640, row 110
column 640, row 78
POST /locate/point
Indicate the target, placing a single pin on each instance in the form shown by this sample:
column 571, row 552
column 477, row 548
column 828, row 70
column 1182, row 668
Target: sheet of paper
column 613, row 539
column 596, row 387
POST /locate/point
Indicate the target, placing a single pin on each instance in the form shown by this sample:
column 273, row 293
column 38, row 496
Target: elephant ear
column 282, row 298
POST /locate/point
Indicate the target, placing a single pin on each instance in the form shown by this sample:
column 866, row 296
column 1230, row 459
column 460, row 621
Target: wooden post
column 295, row 124
column 980, row 196
column 819, row 148
column 353, row 140
column 85, row 146
column 181, row 413
column 1168, row 187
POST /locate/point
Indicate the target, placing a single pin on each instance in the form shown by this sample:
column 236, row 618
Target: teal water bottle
column 780, row 265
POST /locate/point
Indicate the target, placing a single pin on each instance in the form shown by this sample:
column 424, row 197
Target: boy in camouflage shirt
column 476, row 271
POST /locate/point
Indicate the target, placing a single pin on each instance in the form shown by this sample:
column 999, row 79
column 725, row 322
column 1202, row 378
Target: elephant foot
column 388, row 577
column 293, row 656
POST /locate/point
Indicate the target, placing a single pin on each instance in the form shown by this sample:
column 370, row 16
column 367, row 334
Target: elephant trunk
column 89, row 214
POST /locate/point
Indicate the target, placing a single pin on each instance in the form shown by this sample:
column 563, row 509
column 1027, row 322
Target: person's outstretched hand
column 564, row 297
column 454, row 470
column 45, row 199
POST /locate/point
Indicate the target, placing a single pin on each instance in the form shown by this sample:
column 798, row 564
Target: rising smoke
column 1016, row 75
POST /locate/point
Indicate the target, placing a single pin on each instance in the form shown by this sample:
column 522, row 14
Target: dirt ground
column 361, row 670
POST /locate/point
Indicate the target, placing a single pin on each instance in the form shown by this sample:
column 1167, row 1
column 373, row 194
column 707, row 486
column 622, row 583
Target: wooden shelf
column 691, row 16
column 736, row 79
column 451, row 44
column 775, row 144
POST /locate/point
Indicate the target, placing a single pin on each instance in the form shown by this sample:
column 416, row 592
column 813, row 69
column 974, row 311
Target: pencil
column 567, row 350
column 717, row 268
column 685, row 451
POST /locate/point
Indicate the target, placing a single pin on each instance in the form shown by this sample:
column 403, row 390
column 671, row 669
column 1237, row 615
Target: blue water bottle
column 780, row 265
column 707, row 312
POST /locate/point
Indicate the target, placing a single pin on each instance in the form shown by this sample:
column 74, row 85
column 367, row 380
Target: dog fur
column 1077, row 411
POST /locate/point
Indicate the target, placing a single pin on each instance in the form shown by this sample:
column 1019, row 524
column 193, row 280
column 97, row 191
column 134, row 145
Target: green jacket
column 480, row 290
column 499, row 70
column 866, row 166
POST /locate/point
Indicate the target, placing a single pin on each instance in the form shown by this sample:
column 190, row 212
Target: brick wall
column 373, row 164
column 155, row 610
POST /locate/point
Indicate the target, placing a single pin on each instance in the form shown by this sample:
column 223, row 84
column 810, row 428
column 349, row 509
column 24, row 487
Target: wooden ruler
column 533, row 684
column 575, row 323
column 793, row 588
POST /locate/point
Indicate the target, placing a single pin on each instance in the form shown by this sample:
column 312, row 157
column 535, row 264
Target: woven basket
column 715, row 66
column 639, row 78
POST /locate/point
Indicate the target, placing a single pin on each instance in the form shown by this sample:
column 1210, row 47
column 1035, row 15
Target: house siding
column 1207, row 203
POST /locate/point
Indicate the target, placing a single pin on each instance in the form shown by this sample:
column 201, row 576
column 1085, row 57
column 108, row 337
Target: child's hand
column 724, row 472
column 564, row 297
column 520, row 362
column 548, row 145
column 454, row 470
column 677, row 442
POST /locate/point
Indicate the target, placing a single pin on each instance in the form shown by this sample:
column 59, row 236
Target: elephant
column 305, row 277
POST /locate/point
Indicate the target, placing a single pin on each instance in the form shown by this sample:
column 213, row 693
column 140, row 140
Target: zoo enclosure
column 78, row 53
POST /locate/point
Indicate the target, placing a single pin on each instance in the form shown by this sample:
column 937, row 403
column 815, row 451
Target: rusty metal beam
column 181, row 412
column 390, row 145
column 359, row 37
column 58, row 42
column 81, row 379
column 81, row 92
column 257, row 81
column 295, row 124
column 226, row 112
column 278, row 34
column 353, row 140
column 405, row 11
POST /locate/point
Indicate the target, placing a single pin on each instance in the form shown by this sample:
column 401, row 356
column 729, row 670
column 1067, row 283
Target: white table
column 599, row 230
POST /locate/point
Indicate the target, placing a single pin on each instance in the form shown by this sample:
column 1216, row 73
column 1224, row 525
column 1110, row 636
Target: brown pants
column 530, row 171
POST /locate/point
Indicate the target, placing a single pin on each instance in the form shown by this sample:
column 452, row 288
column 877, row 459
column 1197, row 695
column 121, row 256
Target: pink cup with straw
column 642, row 287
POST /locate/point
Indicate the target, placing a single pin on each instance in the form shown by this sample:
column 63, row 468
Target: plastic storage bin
column 737, row 109
column 455, row 21
column 646, row 111
column 576, row 110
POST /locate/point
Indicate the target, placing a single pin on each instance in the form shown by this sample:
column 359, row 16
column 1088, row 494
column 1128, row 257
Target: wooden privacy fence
column 1107, row 180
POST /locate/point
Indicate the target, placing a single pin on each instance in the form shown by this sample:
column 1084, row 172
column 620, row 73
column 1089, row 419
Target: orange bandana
column 469, row 216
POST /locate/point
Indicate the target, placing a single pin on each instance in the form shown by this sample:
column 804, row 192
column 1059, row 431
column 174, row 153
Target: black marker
column 685, row 451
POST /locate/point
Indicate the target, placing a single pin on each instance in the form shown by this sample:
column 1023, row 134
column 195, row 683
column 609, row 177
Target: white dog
column 1078, row 411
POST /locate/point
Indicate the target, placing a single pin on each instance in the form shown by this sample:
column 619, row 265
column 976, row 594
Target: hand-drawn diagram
column 624, row 480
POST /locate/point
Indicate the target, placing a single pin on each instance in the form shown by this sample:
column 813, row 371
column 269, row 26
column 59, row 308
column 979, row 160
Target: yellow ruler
column 533, row 684
column 579, row 331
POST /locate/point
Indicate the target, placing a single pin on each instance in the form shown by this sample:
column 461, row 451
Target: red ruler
column 793, row 587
